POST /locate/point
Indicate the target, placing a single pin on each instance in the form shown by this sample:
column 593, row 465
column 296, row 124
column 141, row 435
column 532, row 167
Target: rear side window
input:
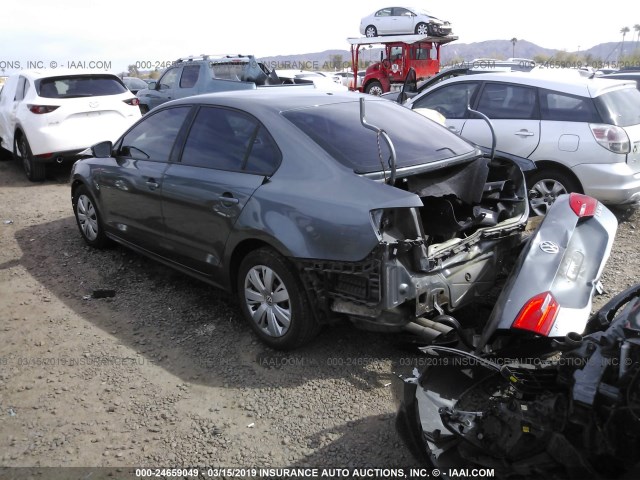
column 75, row 86
column 506, row 101
column 189, row 76
column 226, row 139
column 154, row 136
column 620, row 107
column 451, row 100
column 23, row 89
column 563, row 107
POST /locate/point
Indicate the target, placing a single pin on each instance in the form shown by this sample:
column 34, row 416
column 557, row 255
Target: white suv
column 583, row 134
column 48, row 116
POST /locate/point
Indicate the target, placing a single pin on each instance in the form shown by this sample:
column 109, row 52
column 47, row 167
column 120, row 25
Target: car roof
column 275, row 98
column 562, row 81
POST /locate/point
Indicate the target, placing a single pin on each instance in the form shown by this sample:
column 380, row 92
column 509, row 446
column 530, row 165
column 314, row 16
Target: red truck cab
column 402, row 52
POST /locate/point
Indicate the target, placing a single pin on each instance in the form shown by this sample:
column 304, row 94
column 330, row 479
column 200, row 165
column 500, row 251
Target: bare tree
column 514, row 40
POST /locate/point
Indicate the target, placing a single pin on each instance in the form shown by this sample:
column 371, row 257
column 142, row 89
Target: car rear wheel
column 545, row 185
column 422, row 29
column 273, row 300
column 371, row 31
column 35, row 171
column 88, row 218
column 374, row 88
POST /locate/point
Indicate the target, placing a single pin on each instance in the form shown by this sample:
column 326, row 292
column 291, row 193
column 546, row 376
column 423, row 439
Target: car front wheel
column 88, row 218
column 374, row 88
column 273, row 300
column 422, row 29
column 35, row 171
column 545, row 185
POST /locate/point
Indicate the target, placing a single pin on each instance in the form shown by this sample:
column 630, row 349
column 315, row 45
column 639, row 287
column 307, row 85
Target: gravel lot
column 166, row 373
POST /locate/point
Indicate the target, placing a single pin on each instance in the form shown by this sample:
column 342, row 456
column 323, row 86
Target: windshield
column 74, row 86
column 620, row 107
column 416, row 139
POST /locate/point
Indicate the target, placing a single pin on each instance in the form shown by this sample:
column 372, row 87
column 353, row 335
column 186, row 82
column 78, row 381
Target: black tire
column 88, row 218
column 544, row 185
column 35, row 171
column 374, row 88
column 276, row 296
column 5, row 155
column 422, row 29
column 370, row 31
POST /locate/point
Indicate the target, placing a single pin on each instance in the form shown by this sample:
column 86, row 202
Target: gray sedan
column 309, row 206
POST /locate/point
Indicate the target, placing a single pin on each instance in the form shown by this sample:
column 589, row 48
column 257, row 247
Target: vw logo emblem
column 549, row 247
column 94, row 104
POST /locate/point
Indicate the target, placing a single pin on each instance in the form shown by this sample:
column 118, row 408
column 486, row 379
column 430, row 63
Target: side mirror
column 152, row 85
column 102, row 149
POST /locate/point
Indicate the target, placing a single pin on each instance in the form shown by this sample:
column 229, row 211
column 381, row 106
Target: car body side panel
column 518, row 137
column 320, row 224
column 200, row 207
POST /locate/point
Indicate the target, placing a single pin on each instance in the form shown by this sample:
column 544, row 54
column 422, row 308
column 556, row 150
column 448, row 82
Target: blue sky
column 123, row 33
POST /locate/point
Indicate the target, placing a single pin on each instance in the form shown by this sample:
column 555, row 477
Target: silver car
column 582, row 133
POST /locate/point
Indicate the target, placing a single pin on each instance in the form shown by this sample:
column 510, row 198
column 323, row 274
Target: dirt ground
column 166, row 373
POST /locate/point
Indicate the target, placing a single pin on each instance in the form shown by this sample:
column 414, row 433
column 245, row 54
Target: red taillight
column 42, row 108
column 583, row 205
column 538, row 314
column 132, row 101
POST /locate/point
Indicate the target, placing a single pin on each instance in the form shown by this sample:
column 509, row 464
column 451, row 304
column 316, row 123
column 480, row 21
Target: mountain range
column 452, row 52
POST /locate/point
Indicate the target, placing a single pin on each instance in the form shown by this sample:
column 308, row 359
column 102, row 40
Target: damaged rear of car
column 448, row 225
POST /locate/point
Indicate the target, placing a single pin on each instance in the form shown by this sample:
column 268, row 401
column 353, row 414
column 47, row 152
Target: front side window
column 230, row 140
column 450, row 100
column 398, row 11
column 153, row 138
column 169, row 79
column 506, row 101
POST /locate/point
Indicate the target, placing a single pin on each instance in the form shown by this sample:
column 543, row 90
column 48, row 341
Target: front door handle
column 228, row 200
column 524, row 133
column 152, row 184
column 454, row 129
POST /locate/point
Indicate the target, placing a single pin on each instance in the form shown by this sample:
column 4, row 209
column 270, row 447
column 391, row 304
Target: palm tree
column 623, row 31
column 636, row 27
column 514, row 40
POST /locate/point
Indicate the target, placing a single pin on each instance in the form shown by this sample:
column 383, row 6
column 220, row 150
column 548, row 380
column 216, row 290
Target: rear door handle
column 453, row 129
column 152, row 184
column 524, row 133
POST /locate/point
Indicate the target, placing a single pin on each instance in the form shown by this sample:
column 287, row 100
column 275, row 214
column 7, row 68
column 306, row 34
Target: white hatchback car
column 582, row 133
column 48, row 116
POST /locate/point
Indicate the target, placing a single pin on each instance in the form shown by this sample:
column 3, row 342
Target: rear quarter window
column 562, row 107
column 620, row 107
